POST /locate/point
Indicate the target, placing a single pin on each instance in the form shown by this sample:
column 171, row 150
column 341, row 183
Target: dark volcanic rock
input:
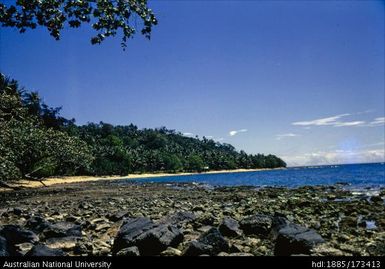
column 257, row 224
column 150, row 238
column 130, row 229
column 336, row 219
column 41, row 250
column 62, row 229
column 279, row 222
column 229, row 227
column 37, row 224
column 180, row 217
column 296, row 239
column 117, row 216
column 3, row 247
column 210, row 243
column 195, row 248
column 214, row 238
column 17, row 211
column 15, row 234
column 158, row 239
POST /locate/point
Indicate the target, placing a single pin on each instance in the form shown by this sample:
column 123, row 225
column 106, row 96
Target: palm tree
column 10, row 99
column 32, row 102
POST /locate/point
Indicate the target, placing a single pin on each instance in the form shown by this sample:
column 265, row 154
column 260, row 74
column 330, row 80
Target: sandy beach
column 78, row 179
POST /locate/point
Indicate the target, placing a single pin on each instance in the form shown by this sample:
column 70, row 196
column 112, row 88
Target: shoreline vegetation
column 37, row 143
column 79, row 179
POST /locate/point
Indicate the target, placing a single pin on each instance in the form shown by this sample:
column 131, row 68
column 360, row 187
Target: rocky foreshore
column 106, row 218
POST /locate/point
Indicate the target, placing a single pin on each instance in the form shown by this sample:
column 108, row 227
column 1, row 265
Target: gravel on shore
column 103, row 218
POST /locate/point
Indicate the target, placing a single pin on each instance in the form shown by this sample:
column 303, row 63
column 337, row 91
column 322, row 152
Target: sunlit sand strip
column 76, row 179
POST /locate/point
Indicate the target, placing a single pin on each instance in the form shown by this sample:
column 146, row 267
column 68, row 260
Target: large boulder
column 279, row 222
column 3, row 247
column 129, row 231
column 229, row 227
column 296, row 239
column 155, row 240
column 62, row 229
column 258, row 224
column 215, row 239
column 42, row 250
column 210, row 243
column 15, row 234
column 150, row 238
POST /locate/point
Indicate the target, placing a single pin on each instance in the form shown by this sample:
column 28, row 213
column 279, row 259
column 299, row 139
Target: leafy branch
column 107, row 17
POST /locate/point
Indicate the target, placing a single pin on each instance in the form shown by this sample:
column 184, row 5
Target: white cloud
column 232, row 133
column 377, row 122
column 332, row 121
column 337, row 122
column 209, row 137
column 336, row 157
column 188, row 134
column 281, row 136
column 321, row 122
column 220, row 139
column 349, row 123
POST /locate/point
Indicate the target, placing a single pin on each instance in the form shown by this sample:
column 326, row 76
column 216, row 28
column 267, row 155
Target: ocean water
column 353, row 175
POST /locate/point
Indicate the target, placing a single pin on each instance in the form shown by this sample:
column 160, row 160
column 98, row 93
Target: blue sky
column 303, row 80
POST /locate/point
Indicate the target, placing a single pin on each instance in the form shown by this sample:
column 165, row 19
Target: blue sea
column 353, row 175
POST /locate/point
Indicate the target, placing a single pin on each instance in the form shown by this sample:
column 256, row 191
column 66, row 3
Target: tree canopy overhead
column 107, row 17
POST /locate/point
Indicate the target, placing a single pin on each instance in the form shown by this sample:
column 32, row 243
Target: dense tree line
column 33, row 141
column 36, row 141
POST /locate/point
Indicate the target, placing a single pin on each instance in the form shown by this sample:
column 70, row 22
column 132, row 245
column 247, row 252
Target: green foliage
column 172, row 163
column 106, row 17
column 28, row 146
column 35, row 140
column 8, row 169
column 195, row 163
column 126, row 149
